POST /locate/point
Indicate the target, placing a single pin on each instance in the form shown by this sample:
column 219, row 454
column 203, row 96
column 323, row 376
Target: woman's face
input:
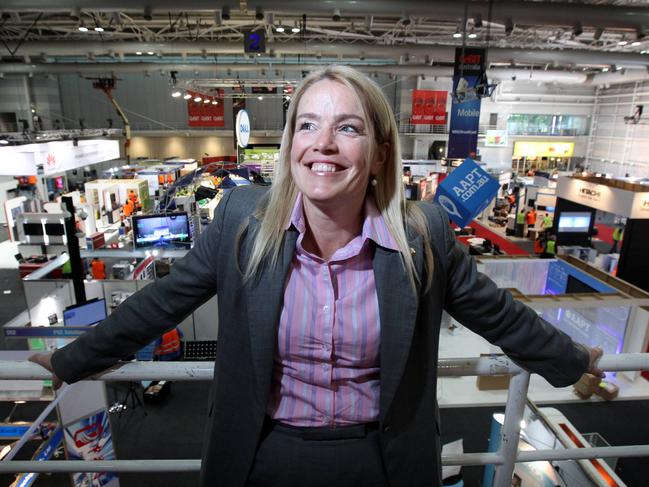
column 330, row 145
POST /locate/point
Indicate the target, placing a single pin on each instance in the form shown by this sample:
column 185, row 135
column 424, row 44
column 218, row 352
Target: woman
column 330, row 293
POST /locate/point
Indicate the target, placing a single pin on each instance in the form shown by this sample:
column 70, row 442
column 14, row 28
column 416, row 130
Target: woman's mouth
column 325, row 167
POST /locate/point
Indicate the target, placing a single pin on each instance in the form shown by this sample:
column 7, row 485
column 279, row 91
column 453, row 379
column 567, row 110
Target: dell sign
column 242, row 126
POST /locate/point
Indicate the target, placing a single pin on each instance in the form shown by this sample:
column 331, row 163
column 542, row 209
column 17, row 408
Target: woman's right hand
column 45, row 361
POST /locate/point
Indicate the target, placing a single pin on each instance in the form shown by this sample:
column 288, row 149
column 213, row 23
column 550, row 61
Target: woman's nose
column 326, row 141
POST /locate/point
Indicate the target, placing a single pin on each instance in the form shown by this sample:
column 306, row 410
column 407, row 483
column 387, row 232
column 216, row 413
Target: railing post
column 511, row 429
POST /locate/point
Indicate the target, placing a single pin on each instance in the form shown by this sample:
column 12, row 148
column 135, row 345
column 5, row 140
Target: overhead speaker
column 437, row 150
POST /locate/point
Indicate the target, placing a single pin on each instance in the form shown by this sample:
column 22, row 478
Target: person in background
column 531, row 218
column 331, row 288
column 618, row 234
column 539, row 244
column 520, row 223
column 547, row 222
column 98, row 268
column 550, row 247
column 169, row 347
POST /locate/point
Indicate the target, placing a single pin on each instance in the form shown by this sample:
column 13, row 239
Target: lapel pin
column 412, row 251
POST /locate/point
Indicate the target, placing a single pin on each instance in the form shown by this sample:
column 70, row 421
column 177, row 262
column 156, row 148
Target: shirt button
column 325, row 308
column 325, row 367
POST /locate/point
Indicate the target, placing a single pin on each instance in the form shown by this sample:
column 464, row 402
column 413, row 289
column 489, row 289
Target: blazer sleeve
column 475, row 301
column 150, row 312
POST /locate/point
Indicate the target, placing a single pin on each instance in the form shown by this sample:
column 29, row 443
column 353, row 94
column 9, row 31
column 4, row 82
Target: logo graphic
column 590, row 193
column 50, row 161
column 449, row 206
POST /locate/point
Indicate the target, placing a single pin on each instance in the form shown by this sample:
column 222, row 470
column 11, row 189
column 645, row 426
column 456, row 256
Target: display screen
column 168, row 230
column 54, row 229
column 574, row 222
column 575, row 285
column 86, row 314
column 33, row 229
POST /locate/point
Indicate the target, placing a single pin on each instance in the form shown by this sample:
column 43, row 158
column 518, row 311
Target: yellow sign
column 544, row 149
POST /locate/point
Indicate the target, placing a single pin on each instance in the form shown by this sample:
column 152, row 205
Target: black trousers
column 346, row 456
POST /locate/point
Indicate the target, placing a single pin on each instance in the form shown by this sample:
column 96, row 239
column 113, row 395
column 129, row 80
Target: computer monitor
column 161, row 230
column 85, row 314
column 574, row 221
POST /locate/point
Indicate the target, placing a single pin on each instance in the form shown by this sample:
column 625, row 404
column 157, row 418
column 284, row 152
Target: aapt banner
column 428, row 107
column 465, row 109
column 201, row 114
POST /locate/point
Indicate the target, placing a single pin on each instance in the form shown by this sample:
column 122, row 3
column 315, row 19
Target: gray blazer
column 248, row 317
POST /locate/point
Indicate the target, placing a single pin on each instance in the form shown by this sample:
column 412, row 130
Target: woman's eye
column 306, row 126
column 352, row 129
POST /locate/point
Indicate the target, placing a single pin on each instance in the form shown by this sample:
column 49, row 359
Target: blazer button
column 387, row 428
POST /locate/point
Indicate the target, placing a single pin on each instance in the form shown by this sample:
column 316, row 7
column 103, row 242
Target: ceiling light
column 187, row 96
column 457, row 34
column 577, row 30
column 225, row 12
column 335, row 16
column 622, row 43
column 215, row 102
column 99, row 29
column 295, row 29
column 138, row 53
column 148, row 13
column 509, row 27
column 279, row 28
column 197, row 99
column 635, row 44
column 604, row 70
column 206, row 100
column 176, row 93
column 259, row 13
column 4, row 141
column 618, row 68
column 472, row 35
column 82, row 28
column 150, row 53
column 260, row 97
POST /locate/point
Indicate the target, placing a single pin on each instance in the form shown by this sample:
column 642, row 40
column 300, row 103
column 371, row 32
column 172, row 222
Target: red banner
column 428, row 107
column 202, row 114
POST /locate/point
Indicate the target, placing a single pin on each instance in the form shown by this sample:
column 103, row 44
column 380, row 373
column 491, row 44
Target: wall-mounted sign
column 495, row 138
column 242, row 128
column 428, row 107
column 543, row 149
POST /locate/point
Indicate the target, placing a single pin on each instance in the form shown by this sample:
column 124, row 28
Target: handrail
column 504, row 459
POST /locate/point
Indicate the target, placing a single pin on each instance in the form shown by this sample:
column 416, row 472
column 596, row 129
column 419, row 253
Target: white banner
column 55, row 157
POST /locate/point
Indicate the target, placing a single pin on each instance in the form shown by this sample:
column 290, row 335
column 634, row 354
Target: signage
column 496, row 138
column 56, row 157
column 428, row 107
column 201, row 114
column 465, row 110
column 466, row 192
column 90, row 438
column 45, row 452
column 242, row 128
column 543, row 149
column 254, row 42
column 44, row 331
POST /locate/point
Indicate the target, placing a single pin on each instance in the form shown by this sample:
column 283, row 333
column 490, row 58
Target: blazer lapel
column 264, row 296
column 398, row 312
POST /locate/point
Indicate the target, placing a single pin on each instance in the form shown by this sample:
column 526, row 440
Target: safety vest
column 617, row 234
column 550, row 247
column 547, row 221
column 531, row 218
column 520, row 218
column 98, row 268
column 170, row 343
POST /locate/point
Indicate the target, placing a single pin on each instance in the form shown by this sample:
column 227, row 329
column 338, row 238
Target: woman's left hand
column 595, row 354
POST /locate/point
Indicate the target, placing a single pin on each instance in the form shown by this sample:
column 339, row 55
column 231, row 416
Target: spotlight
column 75, row 13
column 641, row 32
column 82, row 27
column 150, row 53
column 148, row 13
column 176, row 94
column 225, row 13
column 336, row 15
column 477, row 21
column 622, row 42
column 207, row 100
column 259, row 13
column 509, row 27
column 604, row 69
column 215, row 102
column 260, row 97
column 99, row 28
column 295, row 29
column 577, row 30
column 405, row 20
column 279, row 28
column 472, row 35
column 635, row 43
column 198, row 99
column 598, row 34
column 186, row 96
column 218, row 19
column 138, row 53
column 457, row 34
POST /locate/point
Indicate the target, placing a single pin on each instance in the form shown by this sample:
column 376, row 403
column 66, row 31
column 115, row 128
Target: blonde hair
column 388, row 193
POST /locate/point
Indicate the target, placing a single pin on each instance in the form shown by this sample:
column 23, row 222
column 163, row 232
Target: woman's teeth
column 323, row 167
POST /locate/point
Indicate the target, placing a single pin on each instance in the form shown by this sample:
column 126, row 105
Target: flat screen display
column 167, row 230
column 574, row 222
column 33, row 229
column 54, row 229
column 86, row 314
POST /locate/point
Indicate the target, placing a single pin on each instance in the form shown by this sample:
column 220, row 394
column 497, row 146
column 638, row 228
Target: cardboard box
column 95, row 241
column 493, row 382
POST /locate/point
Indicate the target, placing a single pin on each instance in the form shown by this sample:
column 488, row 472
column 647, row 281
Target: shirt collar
column 374, row 226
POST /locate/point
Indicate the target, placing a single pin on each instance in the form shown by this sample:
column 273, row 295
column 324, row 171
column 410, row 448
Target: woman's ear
column 381, row 157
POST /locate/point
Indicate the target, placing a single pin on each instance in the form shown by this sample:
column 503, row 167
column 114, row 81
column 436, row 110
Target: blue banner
column 44, row 453
column 45, row 331
column 465, row 108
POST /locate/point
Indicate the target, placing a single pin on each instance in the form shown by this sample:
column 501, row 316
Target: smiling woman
column 329, row 309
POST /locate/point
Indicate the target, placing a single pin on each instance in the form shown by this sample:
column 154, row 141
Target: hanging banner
column 428, row 107
column 238, row 104
column 469, row 72
column 205, row 114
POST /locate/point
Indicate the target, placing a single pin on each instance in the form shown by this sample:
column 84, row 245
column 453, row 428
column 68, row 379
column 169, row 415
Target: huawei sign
column 50, row 161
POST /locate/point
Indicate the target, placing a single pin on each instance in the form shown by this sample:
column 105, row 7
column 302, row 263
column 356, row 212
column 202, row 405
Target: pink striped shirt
column 326, row 363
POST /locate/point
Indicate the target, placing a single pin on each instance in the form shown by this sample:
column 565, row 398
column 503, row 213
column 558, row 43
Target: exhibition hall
column 324, row 243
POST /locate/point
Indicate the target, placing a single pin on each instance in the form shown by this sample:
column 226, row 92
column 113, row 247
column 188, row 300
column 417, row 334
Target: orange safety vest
column 531, row 218
column 170, row 343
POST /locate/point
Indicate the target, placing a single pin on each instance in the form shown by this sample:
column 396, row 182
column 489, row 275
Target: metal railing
column 504, row 459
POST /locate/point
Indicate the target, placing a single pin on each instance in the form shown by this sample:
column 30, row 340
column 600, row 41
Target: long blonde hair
column 388, row 192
